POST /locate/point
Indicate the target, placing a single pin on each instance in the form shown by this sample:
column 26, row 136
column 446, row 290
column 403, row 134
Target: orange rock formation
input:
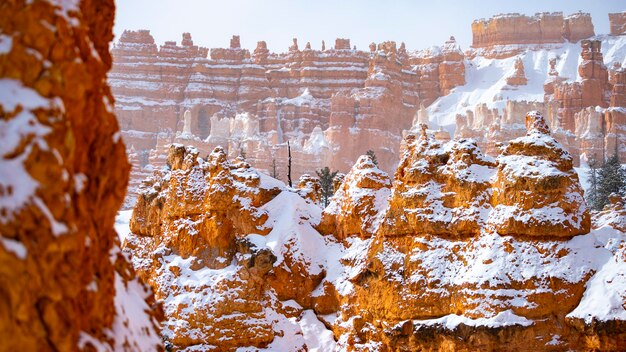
column 333, row 105
column 542, row 28
column 462, row 251
column 64, row 285
column 617, row 22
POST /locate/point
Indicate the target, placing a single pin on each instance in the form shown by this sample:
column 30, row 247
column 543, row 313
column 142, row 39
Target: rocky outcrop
column 518, row 78
column 590, row 91
column 214, row 215
column 617, row 23
column 358, row 205
column 426, row 194
column 449, row 256
column 575, row 110
column 536, row 191
column 64, row 285
column 456, row 254
column 440, row 69
column 542, row 28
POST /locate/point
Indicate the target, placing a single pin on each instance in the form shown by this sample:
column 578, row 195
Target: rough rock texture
column 518, row 78
column 590, row 91
column 356, row 207
column 617, row 22
column 536, row 191
column 202, row 216
column 332, row 105
column 439, row 273
column 64, row 284
column 542, row 28
column 437, row 190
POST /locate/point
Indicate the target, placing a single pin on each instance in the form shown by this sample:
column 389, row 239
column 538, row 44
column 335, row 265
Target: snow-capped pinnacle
column 536, row 123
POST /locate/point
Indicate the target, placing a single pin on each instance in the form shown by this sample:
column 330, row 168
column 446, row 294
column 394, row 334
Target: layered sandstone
column 536, row 191
column 217, row 214
column 518, row 78
column 542, row 28
column 617, row 22
column 440, row 69
column 64, row 285
column 252, row 103
column 580, row 112
column 426, row 197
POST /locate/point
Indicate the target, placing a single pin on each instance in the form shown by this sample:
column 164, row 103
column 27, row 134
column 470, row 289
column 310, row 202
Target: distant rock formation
column 64, row 283
column 360, row 100
column 518, row 78
column 617, row 23
column 542, row 28
column 584, row 115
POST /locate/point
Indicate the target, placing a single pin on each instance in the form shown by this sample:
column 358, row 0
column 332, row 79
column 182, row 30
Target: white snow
column 15, row 247
column 450, row 322
column 6, row 43
column 605, row 295
column 122, row 221
column 16, row 185
column 132, row 326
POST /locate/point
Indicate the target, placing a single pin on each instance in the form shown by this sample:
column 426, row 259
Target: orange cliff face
column 461, row 251
column 63, row 171
column 617, row 23
column 332, row 104
column 542, row 28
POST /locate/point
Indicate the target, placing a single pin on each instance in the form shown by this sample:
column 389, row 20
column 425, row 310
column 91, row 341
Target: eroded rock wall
column 332, row 105
column 542, row 28
column 64, row 284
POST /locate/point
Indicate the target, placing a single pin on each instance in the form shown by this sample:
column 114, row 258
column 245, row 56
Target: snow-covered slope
column 486, row 78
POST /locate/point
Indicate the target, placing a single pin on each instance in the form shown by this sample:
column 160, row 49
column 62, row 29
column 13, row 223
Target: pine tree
column 326, row 179
column 592, row 192
column 372, row 155
column 611, row 179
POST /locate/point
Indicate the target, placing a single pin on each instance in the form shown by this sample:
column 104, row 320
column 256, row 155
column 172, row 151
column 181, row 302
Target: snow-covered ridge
column 486, row 78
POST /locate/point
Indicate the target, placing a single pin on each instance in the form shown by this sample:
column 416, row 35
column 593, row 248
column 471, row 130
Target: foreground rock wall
column 64, row 284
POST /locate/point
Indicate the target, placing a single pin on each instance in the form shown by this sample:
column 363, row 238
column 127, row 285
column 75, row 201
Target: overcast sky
column 419, row 24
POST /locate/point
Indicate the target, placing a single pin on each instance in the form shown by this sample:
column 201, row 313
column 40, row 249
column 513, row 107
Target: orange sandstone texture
column 63, row 172
column 207, row 215
column 420, row 263
column 542, row 28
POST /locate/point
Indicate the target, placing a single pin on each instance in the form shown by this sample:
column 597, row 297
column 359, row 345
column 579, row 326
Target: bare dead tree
column 289, row 165
column 274, row 171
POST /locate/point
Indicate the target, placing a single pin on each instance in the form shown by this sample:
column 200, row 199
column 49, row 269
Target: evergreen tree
column 372, row 155
column 326, row 179
column 592, row 192
column 611, row 179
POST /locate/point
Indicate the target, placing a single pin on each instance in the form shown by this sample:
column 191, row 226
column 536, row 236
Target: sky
column 420, row 24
